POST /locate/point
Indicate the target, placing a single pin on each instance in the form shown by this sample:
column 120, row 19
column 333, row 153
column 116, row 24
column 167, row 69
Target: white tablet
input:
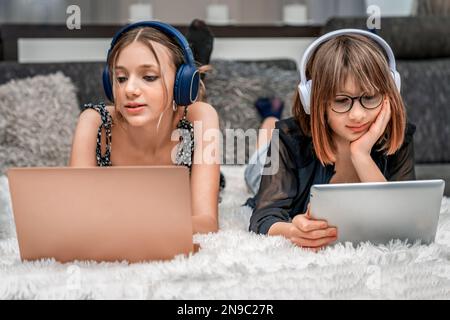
column 381, row 211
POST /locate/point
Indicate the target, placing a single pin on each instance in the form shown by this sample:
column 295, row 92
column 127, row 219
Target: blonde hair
column 329, row 67
column 147, row 35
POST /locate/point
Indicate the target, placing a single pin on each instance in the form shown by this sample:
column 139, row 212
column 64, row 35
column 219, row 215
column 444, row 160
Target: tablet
column 381, row 211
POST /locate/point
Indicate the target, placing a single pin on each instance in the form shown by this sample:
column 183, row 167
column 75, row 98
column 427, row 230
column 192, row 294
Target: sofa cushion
column 426, row 93
column 233, row 87
column 86, row 76
column 38, row 119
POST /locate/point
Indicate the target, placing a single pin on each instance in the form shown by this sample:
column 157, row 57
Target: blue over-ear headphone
column 187, row 78
column 305, row 86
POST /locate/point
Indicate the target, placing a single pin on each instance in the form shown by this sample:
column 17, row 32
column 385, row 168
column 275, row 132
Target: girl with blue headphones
column 349, row 125
column 152, row 80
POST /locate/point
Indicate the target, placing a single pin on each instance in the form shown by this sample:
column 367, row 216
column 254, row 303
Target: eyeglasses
column 343, row 103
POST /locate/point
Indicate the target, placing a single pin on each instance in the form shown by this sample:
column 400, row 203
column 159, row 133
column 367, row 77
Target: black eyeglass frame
column 353, row 102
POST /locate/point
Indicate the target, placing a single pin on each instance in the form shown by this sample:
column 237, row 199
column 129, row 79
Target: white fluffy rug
column 236, row 264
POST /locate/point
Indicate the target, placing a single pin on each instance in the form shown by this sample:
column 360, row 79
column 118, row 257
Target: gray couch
column 233, row 87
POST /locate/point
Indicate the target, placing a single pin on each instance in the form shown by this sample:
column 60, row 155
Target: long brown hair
column 147, row 35
column 329, row 67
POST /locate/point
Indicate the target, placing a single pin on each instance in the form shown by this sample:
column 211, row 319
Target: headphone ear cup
column 107, row 87
column 186, row 85
column 304, row 91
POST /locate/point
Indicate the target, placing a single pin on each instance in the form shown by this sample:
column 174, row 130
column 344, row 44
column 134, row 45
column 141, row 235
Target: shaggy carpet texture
column 236, row 264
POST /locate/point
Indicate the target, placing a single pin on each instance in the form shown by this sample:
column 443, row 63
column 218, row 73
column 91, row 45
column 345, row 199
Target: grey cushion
column 86, row 76
column 233, row 87
column 426, row 93
column 38, row 119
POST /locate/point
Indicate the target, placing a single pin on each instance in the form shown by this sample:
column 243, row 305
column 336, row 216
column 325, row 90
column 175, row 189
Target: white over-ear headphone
column 304, row 88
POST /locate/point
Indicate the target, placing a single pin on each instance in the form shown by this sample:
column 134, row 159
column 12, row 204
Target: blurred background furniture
column 422, row 48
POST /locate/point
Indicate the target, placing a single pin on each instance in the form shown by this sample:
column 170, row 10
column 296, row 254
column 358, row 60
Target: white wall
column 260, row 48
column 62, row 50
column 66, row 50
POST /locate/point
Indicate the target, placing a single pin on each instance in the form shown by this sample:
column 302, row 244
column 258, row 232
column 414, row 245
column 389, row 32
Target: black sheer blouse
column 285, row 193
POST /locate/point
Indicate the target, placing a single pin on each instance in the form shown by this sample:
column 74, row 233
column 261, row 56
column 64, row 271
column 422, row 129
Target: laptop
column 132, row 214
column 379, row 212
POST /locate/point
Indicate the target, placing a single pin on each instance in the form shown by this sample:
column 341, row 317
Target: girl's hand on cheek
column 364, row 144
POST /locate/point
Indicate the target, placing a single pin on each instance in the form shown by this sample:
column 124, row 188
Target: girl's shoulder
column 298, row 145
column 202, row 111
column 98, row 114
column 289, row 129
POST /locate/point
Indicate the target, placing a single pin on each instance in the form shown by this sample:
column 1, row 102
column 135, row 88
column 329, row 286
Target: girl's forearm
column 204, row 224
column 279, row 229
column 366, row 168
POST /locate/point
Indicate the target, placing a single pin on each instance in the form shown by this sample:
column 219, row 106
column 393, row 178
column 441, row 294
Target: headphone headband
column 163, row 27
column 305, row 85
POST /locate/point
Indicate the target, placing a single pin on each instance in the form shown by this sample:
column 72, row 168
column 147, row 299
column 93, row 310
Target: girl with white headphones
column 349, row 125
